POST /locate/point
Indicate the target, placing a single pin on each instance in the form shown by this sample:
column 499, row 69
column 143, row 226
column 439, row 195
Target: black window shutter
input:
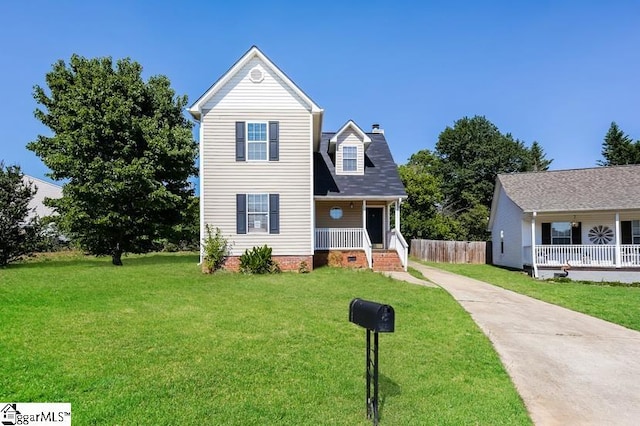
column 625, row 230
column 241, row 213
column 274, row 140
column 274, row 213
column 240, row 139
column 546, row 233
column 576, row 234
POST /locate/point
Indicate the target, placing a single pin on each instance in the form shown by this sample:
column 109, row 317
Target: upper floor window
column 635, row 231
column 561, row 233
column 349, row 158
column 256, row 141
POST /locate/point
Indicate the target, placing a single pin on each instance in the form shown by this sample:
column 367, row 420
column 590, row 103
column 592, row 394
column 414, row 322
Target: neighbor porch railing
column 598, row 256
column 397, row 242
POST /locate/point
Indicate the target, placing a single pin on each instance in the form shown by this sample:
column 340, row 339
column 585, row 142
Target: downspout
column 201, row 184
column 618, row 255
column 533, row 245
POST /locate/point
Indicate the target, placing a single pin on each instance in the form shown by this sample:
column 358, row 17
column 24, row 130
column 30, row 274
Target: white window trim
column 251, row 230
column 266, row 142
column 357, row 148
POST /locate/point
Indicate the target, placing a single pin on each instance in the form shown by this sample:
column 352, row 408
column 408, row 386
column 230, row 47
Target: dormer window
column 349, row 158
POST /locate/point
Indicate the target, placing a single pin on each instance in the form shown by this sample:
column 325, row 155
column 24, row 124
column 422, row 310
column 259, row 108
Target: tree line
column 450, row 189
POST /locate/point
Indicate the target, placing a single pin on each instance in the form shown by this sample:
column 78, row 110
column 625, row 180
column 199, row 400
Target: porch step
column 386, row 260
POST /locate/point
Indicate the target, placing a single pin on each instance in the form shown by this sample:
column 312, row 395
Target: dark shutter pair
column 576, row 234
column 273, row 142
column 274, row 213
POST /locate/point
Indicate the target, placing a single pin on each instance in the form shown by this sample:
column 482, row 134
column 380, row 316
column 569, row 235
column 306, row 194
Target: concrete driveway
column 569, row 368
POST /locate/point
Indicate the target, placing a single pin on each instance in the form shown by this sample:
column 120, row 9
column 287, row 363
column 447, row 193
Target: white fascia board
column 359, row 197
column 354, row 126
column 196, row 108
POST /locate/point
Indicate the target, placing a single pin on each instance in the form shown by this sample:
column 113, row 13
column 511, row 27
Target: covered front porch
column 585, row 241
column 369, row 225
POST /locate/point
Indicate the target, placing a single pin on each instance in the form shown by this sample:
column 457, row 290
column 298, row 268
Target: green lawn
column 157, row 342
column 619, row 304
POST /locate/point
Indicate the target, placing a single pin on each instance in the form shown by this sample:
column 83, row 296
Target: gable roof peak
column 351, row 124
column 196, row 109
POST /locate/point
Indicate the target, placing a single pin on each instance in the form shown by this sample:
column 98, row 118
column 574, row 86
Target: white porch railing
column 587, row 255
column 397, row 242
column 367, row 247
column 339, row 238
column 344, row 239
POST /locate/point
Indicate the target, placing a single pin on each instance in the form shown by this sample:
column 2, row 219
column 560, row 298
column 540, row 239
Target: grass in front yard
column 157, row 342
column 617, row 304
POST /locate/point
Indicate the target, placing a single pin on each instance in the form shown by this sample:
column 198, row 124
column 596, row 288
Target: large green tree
column 450, row 190
column 471, row 154
column 19, row 226
column 124, row 148
column 618, row 148
column 422, row 213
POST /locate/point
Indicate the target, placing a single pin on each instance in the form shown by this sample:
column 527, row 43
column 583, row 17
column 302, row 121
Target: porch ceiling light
column 574, row 224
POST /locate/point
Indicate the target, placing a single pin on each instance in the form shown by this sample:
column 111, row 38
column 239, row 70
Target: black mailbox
column 372, row 315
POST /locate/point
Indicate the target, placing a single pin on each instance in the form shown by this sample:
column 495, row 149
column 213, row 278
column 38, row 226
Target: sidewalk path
column 569, row 368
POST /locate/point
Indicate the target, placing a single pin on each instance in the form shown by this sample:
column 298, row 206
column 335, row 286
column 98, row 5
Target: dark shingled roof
column 380, row 177
column 600, row 188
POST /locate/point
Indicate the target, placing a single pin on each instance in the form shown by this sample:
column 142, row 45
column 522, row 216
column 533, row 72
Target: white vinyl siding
column 352, row 141
column 223, row 177
column 509, row 220
column 240, row 93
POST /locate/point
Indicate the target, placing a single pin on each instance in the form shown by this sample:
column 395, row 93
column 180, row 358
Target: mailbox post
column 376, row 318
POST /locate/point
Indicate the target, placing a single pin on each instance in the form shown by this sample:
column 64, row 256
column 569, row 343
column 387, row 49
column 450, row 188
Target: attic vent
column 256, row 75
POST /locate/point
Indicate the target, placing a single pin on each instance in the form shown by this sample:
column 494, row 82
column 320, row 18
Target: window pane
column 349, row 165
column 257, row 131
column 257, row 222
column 350, row 152
column 257, row 203
column 257, row 151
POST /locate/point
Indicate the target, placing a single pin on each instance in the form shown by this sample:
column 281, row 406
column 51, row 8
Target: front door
column 374, row 226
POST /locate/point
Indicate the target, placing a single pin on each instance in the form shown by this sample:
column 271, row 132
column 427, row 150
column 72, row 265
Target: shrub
column 258, row 260
column 303, row 268
column 335, row 259
column 216, row 249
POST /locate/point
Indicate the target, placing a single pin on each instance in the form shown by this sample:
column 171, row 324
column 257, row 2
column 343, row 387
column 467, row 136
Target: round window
column 335, row 213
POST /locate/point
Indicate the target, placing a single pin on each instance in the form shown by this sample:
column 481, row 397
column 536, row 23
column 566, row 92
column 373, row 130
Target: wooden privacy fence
column 452, row 251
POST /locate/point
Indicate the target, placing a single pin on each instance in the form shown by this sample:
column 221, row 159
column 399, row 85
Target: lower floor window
column 257, row 212
column 635, row 231
column 561, row 233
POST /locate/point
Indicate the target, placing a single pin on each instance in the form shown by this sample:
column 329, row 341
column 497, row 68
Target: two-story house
column 269, row 175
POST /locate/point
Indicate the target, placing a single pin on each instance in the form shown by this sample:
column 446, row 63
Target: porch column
column 617, row 236
column 364, row 214
column 533, row 246
column 397, row 210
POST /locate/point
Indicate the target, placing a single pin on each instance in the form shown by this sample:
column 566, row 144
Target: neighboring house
column 269, row 175
column 44, row 190
column 588, row 219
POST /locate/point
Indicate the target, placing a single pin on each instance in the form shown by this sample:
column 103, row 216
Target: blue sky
column 553, row 71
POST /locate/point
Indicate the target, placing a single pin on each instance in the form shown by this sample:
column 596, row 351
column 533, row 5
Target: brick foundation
column 386, row 261
column 342, row 259
column 286, row 263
